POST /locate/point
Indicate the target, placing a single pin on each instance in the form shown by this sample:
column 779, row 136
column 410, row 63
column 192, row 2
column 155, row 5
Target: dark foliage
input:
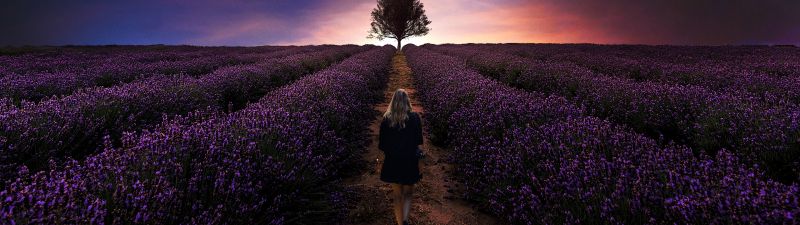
column 398, row 19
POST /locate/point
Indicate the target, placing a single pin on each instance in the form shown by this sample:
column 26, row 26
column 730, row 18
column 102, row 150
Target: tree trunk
column 399, row 47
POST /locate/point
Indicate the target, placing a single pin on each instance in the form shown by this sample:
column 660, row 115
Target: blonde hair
column 398, row 109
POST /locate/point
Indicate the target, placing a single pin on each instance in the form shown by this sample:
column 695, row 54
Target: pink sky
column 454, row 21
column 552, row 21
column 280, row 22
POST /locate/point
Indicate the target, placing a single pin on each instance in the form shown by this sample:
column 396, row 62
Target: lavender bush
column 536, row 159
column 37, row 77
column 747, row 70
column 76, row 125
column 269, row 163
column 703, row 119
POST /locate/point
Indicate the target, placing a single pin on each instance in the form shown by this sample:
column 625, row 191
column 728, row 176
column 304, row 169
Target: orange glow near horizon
column 458, row 21
column 524, row 21
column 310, row 22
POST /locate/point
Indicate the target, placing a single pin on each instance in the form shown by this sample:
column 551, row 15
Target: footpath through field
column 434, row 202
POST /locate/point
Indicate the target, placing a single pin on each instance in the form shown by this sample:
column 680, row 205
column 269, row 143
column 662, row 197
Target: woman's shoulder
column 413, row 115
column 384, row 121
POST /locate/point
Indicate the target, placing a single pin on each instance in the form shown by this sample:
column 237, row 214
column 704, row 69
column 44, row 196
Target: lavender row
column 775, row 61
column 52, row 59
column 77, row 125
column 270, row 163
column 83, row 61
column 769, row 73
column 727, row 75
column 124, row 68
column 536, row 159
column 700, row 118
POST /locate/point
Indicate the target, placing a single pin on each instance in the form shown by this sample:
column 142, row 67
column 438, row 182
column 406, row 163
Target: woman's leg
column 397, row 194
column 408, row 194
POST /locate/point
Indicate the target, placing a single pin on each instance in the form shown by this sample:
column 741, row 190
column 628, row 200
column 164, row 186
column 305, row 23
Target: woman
column 399, row 139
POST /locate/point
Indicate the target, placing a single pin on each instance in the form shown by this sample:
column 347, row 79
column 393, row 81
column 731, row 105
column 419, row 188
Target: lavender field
column 536, row 133
column 551, row 134
column 241, row 142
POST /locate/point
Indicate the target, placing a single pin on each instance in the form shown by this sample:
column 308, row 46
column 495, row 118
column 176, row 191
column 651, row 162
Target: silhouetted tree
column 398, row 19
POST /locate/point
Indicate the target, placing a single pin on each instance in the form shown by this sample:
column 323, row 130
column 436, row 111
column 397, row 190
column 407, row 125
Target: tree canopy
column 398, row 19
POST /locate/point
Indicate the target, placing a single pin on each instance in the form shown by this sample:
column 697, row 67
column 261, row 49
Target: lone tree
column 398, row 19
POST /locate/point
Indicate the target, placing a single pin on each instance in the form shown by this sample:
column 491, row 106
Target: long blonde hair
column 398, row 109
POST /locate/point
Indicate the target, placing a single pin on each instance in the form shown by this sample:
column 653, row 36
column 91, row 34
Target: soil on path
column 434, row 200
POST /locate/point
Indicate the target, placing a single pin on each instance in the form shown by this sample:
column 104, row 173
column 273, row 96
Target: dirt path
column 433, row 201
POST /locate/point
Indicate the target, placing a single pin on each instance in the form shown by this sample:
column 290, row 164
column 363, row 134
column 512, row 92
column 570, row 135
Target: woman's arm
column 418, row 132
column 382, row 136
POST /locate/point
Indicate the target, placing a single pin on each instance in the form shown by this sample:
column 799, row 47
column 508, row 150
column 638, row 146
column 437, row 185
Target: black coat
column 400, row 148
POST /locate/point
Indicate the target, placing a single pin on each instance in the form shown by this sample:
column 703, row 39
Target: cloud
column 453, row 21
column 340, row 22
column 615, row 21
column 245, row 30
column 258, row 22
column 685, row 21
column 335, row 22
column 200, row 22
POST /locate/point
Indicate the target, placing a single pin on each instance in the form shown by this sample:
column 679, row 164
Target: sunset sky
column 300, row 22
